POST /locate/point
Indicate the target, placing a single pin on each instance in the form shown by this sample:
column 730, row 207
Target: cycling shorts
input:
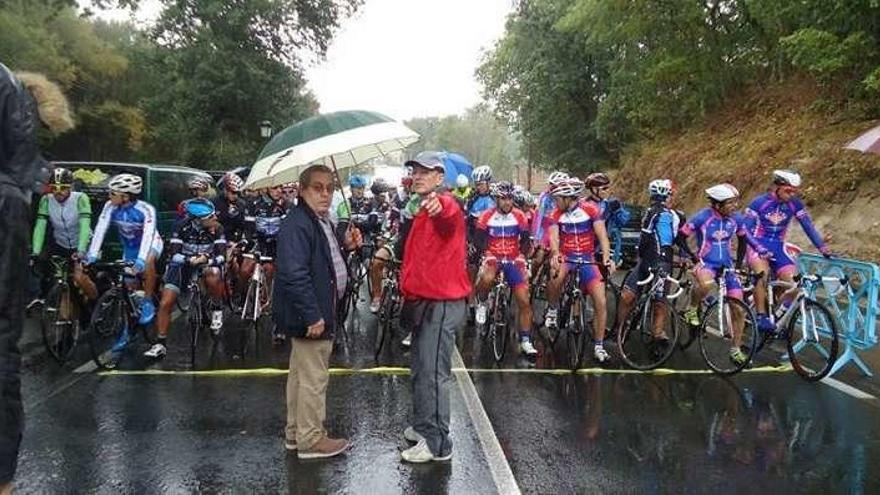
column 781, row 263
column 734, row 288
column 590, row 274
column 514, row 270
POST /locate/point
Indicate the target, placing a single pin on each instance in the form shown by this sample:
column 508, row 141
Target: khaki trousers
column 307, row 391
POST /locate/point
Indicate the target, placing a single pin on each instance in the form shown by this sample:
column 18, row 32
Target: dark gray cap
column 427, row 159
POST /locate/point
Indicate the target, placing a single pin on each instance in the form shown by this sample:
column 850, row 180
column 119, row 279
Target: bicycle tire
column 800, row 361
column 109, row 316
column 715, row 338
column 499, row 325
column 59, row 340
column 194, row 318
column 385, row 310
column 636, row 343
column 575, row 330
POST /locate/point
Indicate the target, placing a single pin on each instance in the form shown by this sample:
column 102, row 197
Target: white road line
column 848, row 389
column 498, row 465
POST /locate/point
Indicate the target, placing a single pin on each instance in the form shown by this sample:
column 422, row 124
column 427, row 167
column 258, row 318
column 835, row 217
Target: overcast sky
column 404, row 58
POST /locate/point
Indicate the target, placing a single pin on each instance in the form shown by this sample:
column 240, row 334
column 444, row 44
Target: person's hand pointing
column 432, row 205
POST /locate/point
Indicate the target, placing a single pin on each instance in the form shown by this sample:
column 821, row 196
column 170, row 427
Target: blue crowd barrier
column 854, row 303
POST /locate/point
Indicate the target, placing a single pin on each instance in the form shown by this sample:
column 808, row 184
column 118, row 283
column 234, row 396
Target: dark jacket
column 21, row 165
column 305, row 284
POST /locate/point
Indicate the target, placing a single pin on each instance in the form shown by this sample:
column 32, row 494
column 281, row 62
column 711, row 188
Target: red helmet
column 596, row 179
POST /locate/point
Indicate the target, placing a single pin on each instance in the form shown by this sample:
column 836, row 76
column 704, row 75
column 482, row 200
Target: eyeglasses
column 321, row 188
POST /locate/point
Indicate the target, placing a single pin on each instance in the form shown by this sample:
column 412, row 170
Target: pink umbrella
column 868, row 142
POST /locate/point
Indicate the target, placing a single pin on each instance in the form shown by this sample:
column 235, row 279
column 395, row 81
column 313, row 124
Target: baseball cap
column 427, row 159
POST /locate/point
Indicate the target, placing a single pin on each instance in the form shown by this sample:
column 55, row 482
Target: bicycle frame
column 800, row 285
column 258, row 279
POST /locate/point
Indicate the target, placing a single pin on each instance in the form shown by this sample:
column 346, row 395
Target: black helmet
column 379, row 187
column 596, row 179
column 503, row 189
column 61, row 176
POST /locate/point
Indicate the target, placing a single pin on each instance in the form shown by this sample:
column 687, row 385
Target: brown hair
column 305, row 178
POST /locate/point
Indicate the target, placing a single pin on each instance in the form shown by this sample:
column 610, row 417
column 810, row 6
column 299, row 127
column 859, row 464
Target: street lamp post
column 265, row 129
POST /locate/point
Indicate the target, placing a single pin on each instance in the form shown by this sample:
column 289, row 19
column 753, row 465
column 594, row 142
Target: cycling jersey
column 714, row 236
column 505, row 231
column 577, row 239
column 478, row 203
column 659, row 229
column 231, row 216
column 769, row 218
column 189, row 239
column 70, row 221
column 263, row 217
column 541, row 221
column 135, row 223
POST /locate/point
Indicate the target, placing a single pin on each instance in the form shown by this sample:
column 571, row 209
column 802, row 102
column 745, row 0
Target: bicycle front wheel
column 728, row 325
column 194, row 317
column 638, row 347
column 386, row 314
column 110, row 329
column 59, row 322
column 812, row 340
column 499, row 325
column 576, row 329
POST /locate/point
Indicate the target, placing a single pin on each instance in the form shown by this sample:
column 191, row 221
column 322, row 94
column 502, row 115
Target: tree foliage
column 581, row 79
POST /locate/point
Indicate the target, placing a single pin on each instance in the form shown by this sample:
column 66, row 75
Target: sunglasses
column 59, row 187
column 322, row 188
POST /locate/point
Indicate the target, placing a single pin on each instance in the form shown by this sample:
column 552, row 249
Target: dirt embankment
column 766, row 128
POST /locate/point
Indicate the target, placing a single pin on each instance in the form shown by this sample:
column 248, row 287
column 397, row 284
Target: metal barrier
column 854, row 303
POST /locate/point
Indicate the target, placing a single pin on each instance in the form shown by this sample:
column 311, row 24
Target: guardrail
column 854, row 303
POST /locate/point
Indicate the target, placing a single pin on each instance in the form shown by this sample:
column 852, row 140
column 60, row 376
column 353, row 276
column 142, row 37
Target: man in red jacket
column 435, row 286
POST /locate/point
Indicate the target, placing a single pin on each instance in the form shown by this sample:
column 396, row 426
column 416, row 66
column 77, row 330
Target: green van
column 164, row 188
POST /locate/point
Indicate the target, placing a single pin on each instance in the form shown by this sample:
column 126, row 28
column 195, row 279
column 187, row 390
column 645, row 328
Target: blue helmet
column 357, row 181
column 199, row 208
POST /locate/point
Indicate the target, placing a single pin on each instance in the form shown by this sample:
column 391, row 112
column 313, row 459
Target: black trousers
column 14, row 230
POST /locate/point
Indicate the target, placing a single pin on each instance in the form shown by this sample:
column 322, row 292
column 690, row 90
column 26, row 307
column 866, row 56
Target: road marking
column 498, row 465
column 393, row 370
column 847, row 389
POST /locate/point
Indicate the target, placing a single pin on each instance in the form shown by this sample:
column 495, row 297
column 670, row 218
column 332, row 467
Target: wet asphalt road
column 560, row 433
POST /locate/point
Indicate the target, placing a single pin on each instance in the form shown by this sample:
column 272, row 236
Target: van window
column 171, row 188
column 94, row 180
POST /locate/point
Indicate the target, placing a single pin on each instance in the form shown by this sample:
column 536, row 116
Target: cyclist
column 262, row 220
column 290, row 193
column 135, row 222
column 70, row 214
column 462, row 189
column 769, row 216
column 230, row 207
column 541, row 221
column 524, row 200
column 359, row 205
column 575, row 225
column 715, row 227
column 480, row 199
column 660, row 232
column 196, row 240
column 615, row 215
column 198, row 188
column 503, row 239
column 380, row 208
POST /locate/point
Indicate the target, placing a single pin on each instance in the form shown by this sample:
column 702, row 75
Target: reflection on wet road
column 560, row 433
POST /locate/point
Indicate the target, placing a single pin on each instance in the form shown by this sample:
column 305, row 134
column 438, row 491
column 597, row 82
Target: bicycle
column 803, row 325
column 61, row 312
column 389, row 306
column 717, row 332
column 357, row 272
column 497, row 324
column 575, row 313
column 258, row 299
column 116, row 316
column 636, row 343
column 200, row 307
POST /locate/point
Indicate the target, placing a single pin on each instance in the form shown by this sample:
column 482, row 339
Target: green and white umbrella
column 338, row 140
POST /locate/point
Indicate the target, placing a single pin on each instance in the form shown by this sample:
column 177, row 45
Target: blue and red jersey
column 769, row 217
column 504, row 231
column 715, row 235
column 577, row 239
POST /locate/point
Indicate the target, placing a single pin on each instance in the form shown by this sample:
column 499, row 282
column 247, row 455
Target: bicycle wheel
column 59, row 322
column 498, row 326
column 638, row 348
column 194, row 318
column 717, row 335
column 386, row 314
column 812, row 340
column 109, row 320
column 612, row 299
column 575, row 330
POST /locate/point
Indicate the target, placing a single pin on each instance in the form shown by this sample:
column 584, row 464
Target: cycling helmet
column 61, row 176
column 660, row 188
column 570, row 187
column 556, row 178
column 379, row 186
column 522, row 197
column 482, row 174
column 232, row 182
column 597, row 179
column 357, row 181
column 126, row 183
column 197, row 182
column 199, row 208
column 462, row 181
column 503, row 189
column 722, row 192
column 786, row 178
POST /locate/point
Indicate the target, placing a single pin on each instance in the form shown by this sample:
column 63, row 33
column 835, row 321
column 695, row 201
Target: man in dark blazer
column 310, row 280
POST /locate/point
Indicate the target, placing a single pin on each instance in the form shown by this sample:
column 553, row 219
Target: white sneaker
column 158, row 350
column 601, row 354
column 411, row 435
column 407, row 341
column 290, row 445
column 374, row 305
column 480, row 315
column 216, row 320
column 420, row 453
column 527, row 348
column 550, row 317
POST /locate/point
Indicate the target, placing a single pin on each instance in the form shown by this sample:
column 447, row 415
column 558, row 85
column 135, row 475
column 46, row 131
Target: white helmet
column 482, row 174
column 660, row 187
column 461, row 181
column 556, row 178
column 197, row 182
column 568, row 188
column 126, row 183
column 722, row 192
column 232, row 182
column 786, row 178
